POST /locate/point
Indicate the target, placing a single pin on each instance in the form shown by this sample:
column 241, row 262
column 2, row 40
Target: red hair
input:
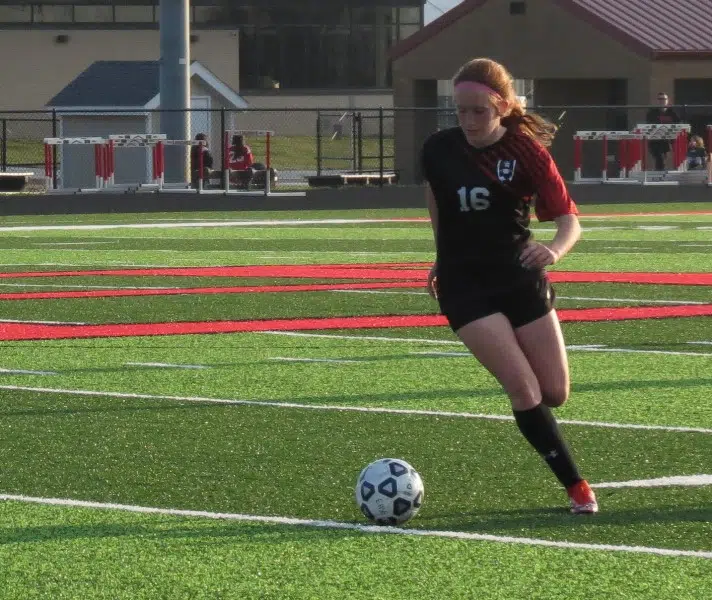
column 495, row 76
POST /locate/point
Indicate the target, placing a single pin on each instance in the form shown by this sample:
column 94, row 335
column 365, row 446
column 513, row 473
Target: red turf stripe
column 650, row 278
column 315, row 287
column 23, row 331
column 384, row 271
column 388, row 271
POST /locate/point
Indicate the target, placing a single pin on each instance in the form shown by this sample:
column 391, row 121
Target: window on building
column 15, row 14
column 93, row 14
column 133, row 14
column 205, row 14
column 49, row 13
column 407, row 30
column 518, row 8
column 410, row 15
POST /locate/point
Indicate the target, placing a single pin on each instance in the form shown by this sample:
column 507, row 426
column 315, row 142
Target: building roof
column 648, row 27
column 123, row 84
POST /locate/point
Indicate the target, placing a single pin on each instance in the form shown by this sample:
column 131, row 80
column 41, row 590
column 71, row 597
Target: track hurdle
column 160, row 155
column 101, row 160
column 135, row 140
column 633, row 153
column 676, row 133
column 267, row 135
column 629, row 158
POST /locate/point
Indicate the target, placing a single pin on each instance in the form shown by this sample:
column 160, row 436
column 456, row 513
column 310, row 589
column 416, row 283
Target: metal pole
column 380, row 146
column 354, row 134
column 359, row 129
column 318, row 143
column 54, row 149
column 3, row 150
column 224, row 160
column 174, row 86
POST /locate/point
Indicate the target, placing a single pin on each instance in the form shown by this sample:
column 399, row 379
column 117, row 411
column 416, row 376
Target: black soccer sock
column 539, row 427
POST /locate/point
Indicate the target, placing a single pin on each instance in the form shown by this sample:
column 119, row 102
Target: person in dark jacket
column 208, row 161
column 662, row 115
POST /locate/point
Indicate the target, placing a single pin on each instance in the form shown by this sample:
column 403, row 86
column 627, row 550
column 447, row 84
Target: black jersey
column 484, row 196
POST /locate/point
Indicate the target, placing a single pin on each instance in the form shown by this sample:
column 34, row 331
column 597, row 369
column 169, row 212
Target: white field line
column 26, row 372
column 642, row 300
column 431, row 353
column 70, row 243
column 42, row 322
column 702, row 343
column 581, row 348
column 165, row 365
column 288, row 222
column 680, row 480
column 86, row 287
column 327, row 524
column 367, row 338
column 633, row 351
column 359, row 409
column 313, row 360
column 379, row 292
column 180, row 224
column 695, row 245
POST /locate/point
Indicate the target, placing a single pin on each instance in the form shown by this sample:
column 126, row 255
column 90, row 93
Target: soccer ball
column 389, row 491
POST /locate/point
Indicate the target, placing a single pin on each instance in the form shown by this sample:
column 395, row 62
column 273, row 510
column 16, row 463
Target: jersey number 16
column 474, row 199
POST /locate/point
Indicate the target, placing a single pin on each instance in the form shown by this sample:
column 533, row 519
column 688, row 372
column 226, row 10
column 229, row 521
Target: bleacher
column 14, row 182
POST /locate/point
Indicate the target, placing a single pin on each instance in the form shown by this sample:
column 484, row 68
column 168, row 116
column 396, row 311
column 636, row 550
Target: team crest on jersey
column 505, row 170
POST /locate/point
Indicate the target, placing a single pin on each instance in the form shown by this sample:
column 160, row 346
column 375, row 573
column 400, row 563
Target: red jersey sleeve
column 552, row 196
column 249, row 158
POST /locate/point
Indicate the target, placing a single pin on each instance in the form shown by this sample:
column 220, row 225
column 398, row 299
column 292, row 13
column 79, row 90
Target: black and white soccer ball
column 389, row 491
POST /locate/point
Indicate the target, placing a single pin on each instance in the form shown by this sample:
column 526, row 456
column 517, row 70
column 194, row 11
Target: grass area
column 270, row 426
column 25, row 151
column 287, row 152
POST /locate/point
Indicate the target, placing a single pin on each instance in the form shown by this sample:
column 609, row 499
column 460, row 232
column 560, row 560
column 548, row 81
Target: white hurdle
column 633, row 153
column 100, row 159
column 135, row 140
column 629, row 158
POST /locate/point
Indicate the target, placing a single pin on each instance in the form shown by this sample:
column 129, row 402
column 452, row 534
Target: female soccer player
column 489, row 275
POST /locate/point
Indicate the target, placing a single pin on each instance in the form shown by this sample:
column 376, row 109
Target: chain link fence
column 307, row 144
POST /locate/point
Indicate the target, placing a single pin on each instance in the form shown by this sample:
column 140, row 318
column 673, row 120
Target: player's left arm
column 554, row 203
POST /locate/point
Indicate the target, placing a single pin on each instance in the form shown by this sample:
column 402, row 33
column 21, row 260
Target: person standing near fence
column 661, row 115
column 489, row 276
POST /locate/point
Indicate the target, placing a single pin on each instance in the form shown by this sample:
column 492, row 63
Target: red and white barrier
column 101, row 159
column 633, row 152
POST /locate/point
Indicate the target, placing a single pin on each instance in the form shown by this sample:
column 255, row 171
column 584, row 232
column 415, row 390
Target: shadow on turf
column 385, row 400
column 518, row 522
column 499, row 521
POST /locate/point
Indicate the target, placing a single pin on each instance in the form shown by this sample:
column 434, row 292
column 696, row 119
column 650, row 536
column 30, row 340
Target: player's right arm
column 433, row 210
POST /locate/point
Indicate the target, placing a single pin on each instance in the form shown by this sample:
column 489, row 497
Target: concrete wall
column 41, row 68
column 326, row 199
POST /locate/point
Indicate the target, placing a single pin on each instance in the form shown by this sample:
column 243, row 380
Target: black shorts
column 464, row 302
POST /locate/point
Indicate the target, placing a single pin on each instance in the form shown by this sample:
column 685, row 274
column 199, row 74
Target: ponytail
column 531, row 124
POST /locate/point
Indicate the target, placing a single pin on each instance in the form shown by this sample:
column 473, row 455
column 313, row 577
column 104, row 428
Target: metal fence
column 308, row 143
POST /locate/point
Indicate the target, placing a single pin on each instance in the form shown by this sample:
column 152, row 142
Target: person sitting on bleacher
column 195, row 160
column 697, row 156
column 241, row 161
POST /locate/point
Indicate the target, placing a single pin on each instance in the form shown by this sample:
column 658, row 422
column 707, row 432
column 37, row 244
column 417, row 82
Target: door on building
column 200, row 116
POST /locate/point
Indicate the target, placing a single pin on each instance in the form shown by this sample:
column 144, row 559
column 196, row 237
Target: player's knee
column 555, row 396
column 523, row 394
